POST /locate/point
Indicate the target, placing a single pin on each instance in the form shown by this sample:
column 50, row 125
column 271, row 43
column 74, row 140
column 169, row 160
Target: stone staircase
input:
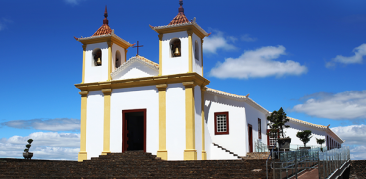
column 132, row 164
column 257, row 155
column 226, row 150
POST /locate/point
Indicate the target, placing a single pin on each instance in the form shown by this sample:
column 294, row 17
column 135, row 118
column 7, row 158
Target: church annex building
column 166, row 109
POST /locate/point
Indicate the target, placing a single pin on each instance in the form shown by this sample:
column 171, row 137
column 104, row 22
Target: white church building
column 166, row 109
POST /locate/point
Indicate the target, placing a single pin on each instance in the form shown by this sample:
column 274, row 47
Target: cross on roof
column 137, row 46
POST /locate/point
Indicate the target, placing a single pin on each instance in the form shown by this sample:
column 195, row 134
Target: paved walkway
column 312, row 174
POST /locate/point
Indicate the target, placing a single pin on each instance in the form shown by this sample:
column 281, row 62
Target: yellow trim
column 202, row 55
column 83, row 75
column 107, row 121
column 190, row 63
column 99, row 39
column 145, row 81
column 126, row 54
column 162, row 152
column 190, row 153
column 160, row 54
column 83, row 154
column 109, row 60
column 181, row 28
column 203, row 89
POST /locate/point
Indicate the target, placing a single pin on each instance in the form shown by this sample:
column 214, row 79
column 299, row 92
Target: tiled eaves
column 239, row 97
column 180, row 25
column 102, row 36
column 139, row 59
column 326, row 128
column 307, row 123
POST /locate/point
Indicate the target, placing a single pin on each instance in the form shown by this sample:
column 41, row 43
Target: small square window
column 221, row 123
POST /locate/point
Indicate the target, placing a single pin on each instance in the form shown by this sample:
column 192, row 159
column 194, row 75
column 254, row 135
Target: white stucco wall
column 235, row 141
column 115, row 47
column 252, row 115
column 298, row 127
column 219, row 154
column 94, row 124
column 198, row 121
column 175, row 65
column 175, row 121
column 197, row 64
column 135, row 98
column 96, row 73
column 136, row 69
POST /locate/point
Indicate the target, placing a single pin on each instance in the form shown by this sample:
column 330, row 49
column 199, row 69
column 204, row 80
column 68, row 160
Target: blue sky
column 306, row 56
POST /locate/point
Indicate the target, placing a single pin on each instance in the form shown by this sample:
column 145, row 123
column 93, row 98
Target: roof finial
column 181, row 9
column 105, row 21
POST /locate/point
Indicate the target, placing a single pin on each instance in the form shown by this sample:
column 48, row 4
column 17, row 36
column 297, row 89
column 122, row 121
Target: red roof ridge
column 104, row 29
column 180, row 18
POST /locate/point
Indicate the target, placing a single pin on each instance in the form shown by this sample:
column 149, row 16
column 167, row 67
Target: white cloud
column 355, row 137
column 218, row 41
column 257, row 63
column 50, row 145
column 344, row 105
column 58, row 124
column 247, row 38
column 359, row 53
column 73, row 2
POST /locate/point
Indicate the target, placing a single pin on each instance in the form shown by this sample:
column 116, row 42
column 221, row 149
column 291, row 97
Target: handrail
column 267, row 161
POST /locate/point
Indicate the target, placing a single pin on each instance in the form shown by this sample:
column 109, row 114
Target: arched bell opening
column 117, row 59
column 196, row 51
column 175, row 47
column 97, row 57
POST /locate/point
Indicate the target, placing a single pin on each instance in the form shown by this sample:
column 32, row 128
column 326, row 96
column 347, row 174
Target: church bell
column 177, row 53
column 99, row 62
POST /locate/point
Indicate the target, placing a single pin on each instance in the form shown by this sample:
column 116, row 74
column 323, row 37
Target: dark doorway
column 134, row 130
column 250, row 138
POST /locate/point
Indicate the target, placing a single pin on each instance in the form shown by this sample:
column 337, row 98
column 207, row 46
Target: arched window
column 196, row 51
column 117, row 59
column 175, row 48
column 97, row 57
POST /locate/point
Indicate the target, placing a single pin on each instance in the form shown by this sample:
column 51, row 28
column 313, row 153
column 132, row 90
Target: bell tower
column 180, row 45
column 103, row 52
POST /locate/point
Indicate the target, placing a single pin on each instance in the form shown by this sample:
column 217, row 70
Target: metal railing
column 290, row 163
column 260, row 146
column 332, row 160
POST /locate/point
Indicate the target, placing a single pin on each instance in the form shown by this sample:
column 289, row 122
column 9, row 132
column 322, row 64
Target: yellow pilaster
column 190, row 153
column 109, row 60
column 162, row 152
column 160, row 54
column 83, row 154
column 202, row 55
column 190, row 63
column 126, row 54
column 203, row 89
column 107, row 121
column 84, row 50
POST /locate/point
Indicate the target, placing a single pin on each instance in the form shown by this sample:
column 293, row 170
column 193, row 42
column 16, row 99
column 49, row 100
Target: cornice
column 189, row 26
column 130, row 62
column 145, row 81
column 113, row 38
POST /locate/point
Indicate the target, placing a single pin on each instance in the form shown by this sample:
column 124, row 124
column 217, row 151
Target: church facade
column 164, row 109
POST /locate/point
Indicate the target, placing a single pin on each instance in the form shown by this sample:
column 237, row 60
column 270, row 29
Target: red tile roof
column 103, row 30
column 179, row 19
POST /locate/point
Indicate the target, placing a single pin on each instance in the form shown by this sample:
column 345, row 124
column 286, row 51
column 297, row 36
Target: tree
column 28, row 145
column 304, row 136
column 278, row 121
column 321, row 142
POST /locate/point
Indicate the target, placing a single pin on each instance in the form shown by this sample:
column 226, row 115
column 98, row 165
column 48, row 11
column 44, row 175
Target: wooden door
column 250, row 137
